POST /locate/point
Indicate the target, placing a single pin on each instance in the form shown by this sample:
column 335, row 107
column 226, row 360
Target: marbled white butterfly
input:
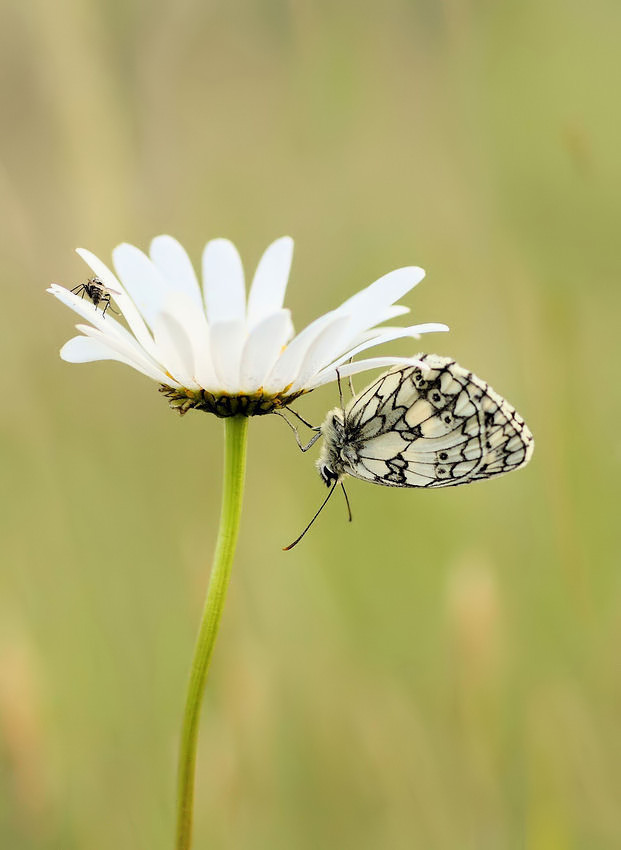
column 431, row 424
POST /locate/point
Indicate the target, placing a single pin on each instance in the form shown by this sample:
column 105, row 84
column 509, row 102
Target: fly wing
column 434, row 425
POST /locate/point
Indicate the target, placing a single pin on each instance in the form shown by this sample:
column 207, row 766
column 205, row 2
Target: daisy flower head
column 214, row 347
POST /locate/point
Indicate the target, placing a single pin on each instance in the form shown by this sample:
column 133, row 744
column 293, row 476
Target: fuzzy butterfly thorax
column 433, row 424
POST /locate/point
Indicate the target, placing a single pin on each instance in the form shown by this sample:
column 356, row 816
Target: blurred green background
column 443, row 674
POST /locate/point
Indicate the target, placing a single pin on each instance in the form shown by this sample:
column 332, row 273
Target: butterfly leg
column 314, row 438
column 350, row 381
column 301, row 418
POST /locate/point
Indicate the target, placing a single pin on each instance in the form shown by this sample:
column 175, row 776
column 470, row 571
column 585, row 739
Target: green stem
column 236, row 428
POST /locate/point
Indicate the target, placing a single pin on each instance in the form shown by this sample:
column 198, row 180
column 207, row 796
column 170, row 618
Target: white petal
column 329, row 374
column 429, row 328
column 141, row 278
column 270, row 280
column 366, row 305
column 82, row 349
column 262, row 348
column 227, row 342
column 391, row 286
column 125, row 303
column 323, row 350
column 131, row 352
column 388, row 334
column 391, row 313
column 223, row 282
column 83, row 307
column 171, row 259
column 372, row 333
column 191, row 317
column 288, row 364
column 154, row 293
column 174, row 349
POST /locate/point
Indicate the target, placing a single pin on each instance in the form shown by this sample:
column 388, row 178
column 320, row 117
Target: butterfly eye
column 328, row 475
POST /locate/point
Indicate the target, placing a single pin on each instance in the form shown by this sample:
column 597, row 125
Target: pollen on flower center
column 259, row 403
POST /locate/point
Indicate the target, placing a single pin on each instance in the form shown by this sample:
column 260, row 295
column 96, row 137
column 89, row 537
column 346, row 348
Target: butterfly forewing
column 434, row 425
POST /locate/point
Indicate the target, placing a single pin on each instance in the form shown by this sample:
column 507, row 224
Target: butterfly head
column 330, row 464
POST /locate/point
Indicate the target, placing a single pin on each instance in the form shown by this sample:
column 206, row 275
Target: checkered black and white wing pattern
column 434, row 425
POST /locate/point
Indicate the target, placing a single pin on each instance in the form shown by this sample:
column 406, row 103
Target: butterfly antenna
column 349, row 515
column 323, row 504
column 338, row 381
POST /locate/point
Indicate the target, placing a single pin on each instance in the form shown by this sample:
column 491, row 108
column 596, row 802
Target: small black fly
column 96, row 290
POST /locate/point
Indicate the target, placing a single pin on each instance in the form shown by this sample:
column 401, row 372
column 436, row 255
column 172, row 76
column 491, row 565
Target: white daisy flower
column 211, row 347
